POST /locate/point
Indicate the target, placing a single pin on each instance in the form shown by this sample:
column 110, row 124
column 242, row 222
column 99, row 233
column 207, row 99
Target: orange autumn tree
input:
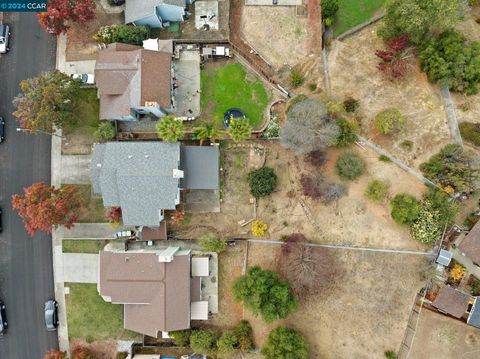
column 43, row 207
column 55, row 354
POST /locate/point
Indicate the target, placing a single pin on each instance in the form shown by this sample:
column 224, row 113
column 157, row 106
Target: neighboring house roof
column 129, row 76
column 138, row 177
column 474, row 316
column 156, row 294
column 452, row 301
column 200, row 164
column 136, row 10
column 471, row 244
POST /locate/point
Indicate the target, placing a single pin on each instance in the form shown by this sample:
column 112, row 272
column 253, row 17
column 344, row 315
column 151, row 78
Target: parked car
column 3, row 318
column 51, row 314
column 88, row 79
column 1, row 227
column 4, row 39
column 2, row 129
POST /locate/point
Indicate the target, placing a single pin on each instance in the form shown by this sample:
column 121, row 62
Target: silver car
column 51, row 314
column 4, row 38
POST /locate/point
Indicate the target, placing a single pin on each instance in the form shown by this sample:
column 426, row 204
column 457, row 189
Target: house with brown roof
column 452, row 302
column 160, row 290
column 470, row 245
column 134, row 82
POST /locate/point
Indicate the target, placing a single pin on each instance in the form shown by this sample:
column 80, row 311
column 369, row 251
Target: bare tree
column 309, row 270
column 309, row 127
column 332, row 192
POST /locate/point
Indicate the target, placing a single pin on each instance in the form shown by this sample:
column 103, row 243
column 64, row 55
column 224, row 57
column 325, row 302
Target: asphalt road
column 26, row 271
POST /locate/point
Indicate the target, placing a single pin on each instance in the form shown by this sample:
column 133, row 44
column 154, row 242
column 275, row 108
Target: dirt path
column 314, row 26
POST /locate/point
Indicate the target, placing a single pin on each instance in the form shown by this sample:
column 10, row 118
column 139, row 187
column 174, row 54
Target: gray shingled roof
column 200, row 164
column 138, row 177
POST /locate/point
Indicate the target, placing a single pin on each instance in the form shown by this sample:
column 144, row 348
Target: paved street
column 26, row 277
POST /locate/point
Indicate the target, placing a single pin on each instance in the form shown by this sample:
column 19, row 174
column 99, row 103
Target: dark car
column 3, row 319
column 2, row 129
column 1, row 227
column 51, row 314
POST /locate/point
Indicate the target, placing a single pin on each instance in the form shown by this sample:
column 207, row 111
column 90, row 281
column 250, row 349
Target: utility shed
column 444, row 257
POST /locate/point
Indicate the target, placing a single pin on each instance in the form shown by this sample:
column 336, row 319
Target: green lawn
column 89, row 317
column 353, row 12
column 87, row 112
column 225, row 87
column 83, row 245
column 92, row 210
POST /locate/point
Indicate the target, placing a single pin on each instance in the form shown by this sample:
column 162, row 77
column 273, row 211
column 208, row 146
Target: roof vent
column 177, row 173
column 146, row 156
column 99, row 165
column 129, row 156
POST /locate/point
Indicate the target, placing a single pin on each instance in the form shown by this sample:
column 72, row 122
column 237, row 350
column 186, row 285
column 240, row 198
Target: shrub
column 456, row 273
column 350, row 104
column 453, row 63
column 273, row 128
column 475, row 287
column 441, row 202
column 377, row 191
column 296, row 78
column 262, row 182
column 312, row 87
column 181, row 337
column 329, row 8
column 285, row 343
column 55, row 354
column 311, row 185
column 396, row 60
column 350, row 166
column 105, row 131
column 203, row 341
column 390, row 354
column 244, row 333
column 389, row 121
column 426, row 228
column 126, row 34
column 332, row 192
column 121, row 355
column 259, row 228
column 82, row 353
column 264, row 293
column 169, row 129
column 113, row 214
column 239, row 129
column 226, row 344
column 407, row 145
column 209, row 243
column 405, row 209
column 384, row 158
column 470, row 132
column 317, row 158
column 348, row 132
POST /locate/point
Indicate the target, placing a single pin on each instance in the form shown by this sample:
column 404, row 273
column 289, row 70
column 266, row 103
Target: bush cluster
column 127, row 34
column 389, row 121
column 262, row 182
column 470, row 132
column 350, row 166
column 377, row 191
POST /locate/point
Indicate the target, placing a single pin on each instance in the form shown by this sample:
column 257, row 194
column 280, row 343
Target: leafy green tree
column 285, row 343
column 203, row 341
column 377, row 191
column 350, row 166
column 207, row 131
column 264, row 293
column 210, row 243
column 348, row 132
column 441, row 202
column 452, row 169
column 239, row 129
column 389, row 121
column 419, row 18
column 452, row 62
column 427, row 227
column 262, row 182
column 244, row 333
column 309, row 126
column 47, row 102
column 105, row 131
column 169, row 129
column 181, row 337
column 226, row 344
column 329, row 8
column 405, row 209
column 127, row 34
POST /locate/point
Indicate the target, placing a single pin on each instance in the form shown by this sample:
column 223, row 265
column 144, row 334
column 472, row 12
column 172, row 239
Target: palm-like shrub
column 169, row 129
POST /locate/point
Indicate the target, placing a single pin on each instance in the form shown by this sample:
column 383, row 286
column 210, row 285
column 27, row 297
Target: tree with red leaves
column 43, row 207
column 55, row 354
column 396, row 59
column 113, row 214
column 56, row 19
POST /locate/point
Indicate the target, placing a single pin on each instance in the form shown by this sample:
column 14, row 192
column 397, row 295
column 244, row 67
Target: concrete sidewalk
column 90, row 231
column 76, row 169
column 80, row 268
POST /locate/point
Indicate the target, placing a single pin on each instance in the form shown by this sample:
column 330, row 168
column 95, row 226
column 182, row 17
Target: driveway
column 76, row 169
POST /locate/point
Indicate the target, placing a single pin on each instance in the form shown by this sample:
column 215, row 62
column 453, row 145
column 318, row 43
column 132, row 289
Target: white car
column 124, row 234
column 4, row 38
column 88, row 79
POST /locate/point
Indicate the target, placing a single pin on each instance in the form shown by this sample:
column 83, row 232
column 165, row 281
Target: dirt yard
column 80, row 42
column 442, row 337
column 353, row 72
column 353, row 221
column 362, row 316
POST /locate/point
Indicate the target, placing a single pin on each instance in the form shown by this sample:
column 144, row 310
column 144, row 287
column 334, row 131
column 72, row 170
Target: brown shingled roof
column 471, row 244
column 451, row 301
column 156, row 294
column 128, row 76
